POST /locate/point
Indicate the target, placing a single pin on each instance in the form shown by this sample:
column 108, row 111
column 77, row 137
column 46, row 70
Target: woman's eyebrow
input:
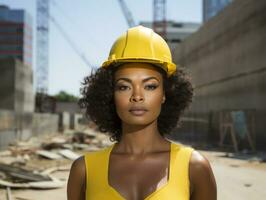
column 144, row 80
column 149, row 78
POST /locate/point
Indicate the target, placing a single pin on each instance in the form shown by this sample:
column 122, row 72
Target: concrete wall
column 7, row 84
column 227, row 62
column 15, row 126
column 75, row 121
column 17, row 120
column 44, row 123
column 24, row 100
column 7, row 128
column 16, row 86
column 64, row 121
column 71, row 107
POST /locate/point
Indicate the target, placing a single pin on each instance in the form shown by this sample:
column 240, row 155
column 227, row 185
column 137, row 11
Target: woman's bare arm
column 203, row 185
column 77, row 180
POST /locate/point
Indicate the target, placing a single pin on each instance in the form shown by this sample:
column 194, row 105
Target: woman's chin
column 138, row 122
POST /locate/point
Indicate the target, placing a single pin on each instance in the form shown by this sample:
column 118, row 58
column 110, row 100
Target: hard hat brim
column 169, row 68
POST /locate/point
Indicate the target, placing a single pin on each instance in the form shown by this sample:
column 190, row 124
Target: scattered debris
column 232, row 165
column 82, row 137
column 19, row 175
column 8, row 193
column 54, row 169
column 22, row 198
column 55, row 143
column 20, row 160
column 68, row 154
column 68, row 146
column 80, row 146
column 20, row 164
column 5, row 153
column 49, row 146
column 53, row 183
column 48, row 154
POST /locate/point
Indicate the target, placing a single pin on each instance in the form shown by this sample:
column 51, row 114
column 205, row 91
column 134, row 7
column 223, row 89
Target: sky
column 93, row 26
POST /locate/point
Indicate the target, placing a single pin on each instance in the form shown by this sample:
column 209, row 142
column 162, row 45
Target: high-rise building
column 176, row 31
column 15, row 34
column 212, row 7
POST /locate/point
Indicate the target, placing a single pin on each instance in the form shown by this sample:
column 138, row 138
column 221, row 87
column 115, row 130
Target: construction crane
column 43, row 17
column 127, row 13
column 43, row 102
column 159, row 17
column 70, row 41
column 42, row 46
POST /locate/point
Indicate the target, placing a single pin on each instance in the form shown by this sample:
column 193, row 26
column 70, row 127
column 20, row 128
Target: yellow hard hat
column 141, row 44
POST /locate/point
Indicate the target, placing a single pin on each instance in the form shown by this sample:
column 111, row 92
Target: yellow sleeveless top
column 177, row 187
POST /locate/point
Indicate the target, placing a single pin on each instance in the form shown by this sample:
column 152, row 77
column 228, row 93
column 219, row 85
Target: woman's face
column 138, row 93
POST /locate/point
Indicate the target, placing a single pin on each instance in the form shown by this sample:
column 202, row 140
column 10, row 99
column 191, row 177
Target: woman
column 138, row 96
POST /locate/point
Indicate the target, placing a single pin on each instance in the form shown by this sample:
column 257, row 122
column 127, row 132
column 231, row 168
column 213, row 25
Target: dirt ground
column 237, row 179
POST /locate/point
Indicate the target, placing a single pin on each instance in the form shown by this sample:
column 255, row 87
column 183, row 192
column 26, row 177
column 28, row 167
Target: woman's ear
column 163, row 99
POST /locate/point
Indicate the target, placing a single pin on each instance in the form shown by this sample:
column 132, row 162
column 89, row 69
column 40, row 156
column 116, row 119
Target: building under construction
column 16, row 34
column 226, row 59
column 176, row 32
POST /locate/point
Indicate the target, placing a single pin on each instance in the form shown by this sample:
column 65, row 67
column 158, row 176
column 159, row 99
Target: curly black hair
column 98, row 100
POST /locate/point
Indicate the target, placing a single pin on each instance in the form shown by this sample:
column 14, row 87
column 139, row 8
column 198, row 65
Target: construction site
column 225, row 55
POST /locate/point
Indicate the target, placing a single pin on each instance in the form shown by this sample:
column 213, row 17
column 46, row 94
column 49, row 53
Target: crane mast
column 127, row 13
column 159, row 17
column 42, row 46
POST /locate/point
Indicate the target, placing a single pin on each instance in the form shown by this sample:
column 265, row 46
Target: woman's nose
column 136, row 96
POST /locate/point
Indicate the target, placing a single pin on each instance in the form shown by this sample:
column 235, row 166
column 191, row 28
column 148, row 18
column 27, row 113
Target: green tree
column 65, row 97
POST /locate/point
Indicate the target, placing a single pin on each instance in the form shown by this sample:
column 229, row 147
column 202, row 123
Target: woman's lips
column 138, row 112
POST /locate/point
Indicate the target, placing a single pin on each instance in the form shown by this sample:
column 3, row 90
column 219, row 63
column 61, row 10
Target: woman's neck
column 141, row 139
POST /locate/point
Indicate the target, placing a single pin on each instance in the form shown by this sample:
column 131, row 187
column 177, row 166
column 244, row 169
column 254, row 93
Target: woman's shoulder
column 201, row 176
column 200, row 171
column 77, row 179
column 78, row 166
column 199, row 164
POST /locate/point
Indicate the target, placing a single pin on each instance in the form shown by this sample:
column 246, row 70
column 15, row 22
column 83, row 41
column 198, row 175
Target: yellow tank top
column 177, row 187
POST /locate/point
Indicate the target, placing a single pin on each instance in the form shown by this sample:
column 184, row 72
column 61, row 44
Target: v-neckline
column 151, row 194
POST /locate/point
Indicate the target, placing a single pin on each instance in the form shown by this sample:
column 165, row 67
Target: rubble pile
column 31, row 164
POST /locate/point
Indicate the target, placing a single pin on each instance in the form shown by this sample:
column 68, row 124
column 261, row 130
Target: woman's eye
column 122, row 87
column 151, row 87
